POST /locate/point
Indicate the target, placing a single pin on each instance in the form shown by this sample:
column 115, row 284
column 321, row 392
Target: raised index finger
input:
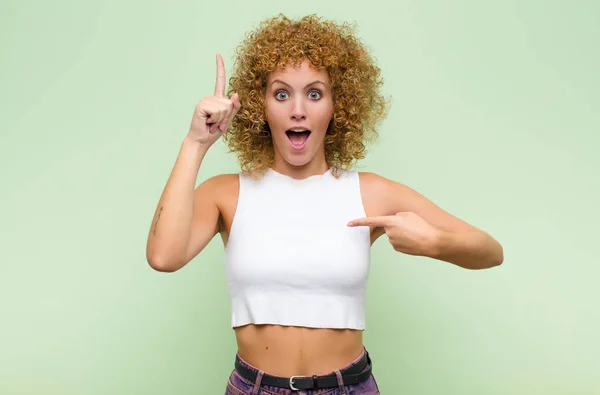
column 220, row 83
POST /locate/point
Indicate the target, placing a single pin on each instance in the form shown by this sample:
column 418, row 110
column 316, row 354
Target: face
column 299, row 107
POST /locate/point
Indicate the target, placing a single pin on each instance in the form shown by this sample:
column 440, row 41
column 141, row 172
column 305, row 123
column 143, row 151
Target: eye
column 278, row 95
column 318, row 94
column 314, row 94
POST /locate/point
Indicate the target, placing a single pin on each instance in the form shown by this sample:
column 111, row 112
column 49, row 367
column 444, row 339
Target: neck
column 312, row 168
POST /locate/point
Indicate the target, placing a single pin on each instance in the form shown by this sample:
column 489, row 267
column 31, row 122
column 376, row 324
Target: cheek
column 327, row 110
column 325, row 115
column 273, row 113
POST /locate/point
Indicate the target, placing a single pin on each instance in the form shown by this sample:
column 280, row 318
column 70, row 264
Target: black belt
column 352, row 375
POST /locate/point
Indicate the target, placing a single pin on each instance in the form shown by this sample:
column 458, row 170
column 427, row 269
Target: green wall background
column 495, row 117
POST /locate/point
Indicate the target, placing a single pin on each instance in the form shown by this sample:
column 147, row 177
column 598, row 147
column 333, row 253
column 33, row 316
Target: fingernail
column 222, row 126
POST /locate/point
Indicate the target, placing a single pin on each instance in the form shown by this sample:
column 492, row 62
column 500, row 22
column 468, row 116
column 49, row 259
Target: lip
column 297, row 128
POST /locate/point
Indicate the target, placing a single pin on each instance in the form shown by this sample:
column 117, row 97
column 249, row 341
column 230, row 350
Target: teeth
column 298, row 130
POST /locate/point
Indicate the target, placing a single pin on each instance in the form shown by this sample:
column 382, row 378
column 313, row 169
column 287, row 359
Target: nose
column 298, row 112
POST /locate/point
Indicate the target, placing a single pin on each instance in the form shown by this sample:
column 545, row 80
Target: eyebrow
column 312, row 83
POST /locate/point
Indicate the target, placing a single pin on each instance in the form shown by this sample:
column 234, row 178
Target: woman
column 296, row 222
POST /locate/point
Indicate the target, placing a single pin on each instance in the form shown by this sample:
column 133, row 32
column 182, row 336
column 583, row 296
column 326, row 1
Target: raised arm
column 186, row 219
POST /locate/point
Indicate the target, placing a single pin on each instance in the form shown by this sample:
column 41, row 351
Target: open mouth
column 298, row 138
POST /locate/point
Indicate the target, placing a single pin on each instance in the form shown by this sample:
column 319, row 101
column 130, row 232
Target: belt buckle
column 292, row 384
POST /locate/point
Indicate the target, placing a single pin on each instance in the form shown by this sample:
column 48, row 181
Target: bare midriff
column 291, row 351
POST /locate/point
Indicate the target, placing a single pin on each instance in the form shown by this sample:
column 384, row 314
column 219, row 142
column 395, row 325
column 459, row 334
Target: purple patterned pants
column 237, row 385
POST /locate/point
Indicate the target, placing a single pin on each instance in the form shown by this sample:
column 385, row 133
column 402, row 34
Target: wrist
column 195, row 144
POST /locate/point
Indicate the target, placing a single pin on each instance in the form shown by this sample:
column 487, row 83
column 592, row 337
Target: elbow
column 499, row 256
column 499, row 261
column 483, row 263
column 496, row 259
column 160, row 264
column 494, row 255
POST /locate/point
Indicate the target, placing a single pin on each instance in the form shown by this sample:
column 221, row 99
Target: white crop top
column 291, row 259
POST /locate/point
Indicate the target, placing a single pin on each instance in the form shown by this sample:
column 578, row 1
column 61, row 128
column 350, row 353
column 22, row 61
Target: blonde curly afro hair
column 354, row 79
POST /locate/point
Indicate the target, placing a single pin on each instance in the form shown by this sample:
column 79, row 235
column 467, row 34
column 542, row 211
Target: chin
column 298, row 160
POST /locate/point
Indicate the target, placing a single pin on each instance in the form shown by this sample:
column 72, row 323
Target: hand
column 407, row 232
column 213, row 114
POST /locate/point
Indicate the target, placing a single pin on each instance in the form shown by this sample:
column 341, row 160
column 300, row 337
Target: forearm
column 171, row 225
column 470, row 250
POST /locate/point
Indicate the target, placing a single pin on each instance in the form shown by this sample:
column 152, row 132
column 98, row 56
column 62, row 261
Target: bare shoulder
column 372, row 181
column 219, row 184
column 217, row 191
column 380, row 184
column 220, row 180
column 376, row 191
column 391, row 197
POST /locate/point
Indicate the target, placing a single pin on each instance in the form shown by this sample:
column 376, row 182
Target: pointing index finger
column 371, row 221
column 220, row 83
